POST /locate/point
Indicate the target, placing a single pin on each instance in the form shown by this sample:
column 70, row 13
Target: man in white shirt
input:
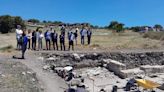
column 19, row 33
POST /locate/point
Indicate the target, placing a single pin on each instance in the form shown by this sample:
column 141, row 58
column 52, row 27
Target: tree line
column 7, row 23
column 118, row 27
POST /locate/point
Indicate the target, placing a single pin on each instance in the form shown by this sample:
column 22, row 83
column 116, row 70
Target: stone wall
column 131, row 60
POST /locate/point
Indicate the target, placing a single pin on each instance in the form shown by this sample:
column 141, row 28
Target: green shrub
column 7, row 23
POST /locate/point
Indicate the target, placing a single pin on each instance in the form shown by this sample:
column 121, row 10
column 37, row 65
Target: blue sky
column 96, row 12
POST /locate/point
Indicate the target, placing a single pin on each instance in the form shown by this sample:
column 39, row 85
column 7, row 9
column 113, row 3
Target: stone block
column 130, row 73
column 152, row 69
column 114, row 66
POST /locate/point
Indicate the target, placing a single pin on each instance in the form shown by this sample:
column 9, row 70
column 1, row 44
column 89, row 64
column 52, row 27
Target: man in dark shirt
column 89, row 34
column 76, row 35
column 62, row 41
column 47, row 36
column 54, row 37
column 71, row 41
column 34, row 40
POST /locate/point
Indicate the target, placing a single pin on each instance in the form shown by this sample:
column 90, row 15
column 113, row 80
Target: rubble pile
column 75, row 60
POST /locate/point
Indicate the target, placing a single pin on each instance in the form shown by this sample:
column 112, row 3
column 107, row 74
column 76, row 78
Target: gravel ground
column 16, row 77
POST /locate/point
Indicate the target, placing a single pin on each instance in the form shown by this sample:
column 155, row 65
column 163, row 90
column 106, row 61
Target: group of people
column 34, row 39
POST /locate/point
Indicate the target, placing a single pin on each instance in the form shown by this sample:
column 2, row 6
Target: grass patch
column 154, row 35
column 6, row 48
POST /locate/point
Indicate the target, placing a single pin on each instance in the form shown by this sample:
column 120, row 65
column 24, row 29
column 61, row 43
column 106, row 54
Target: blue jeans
column 24, row 47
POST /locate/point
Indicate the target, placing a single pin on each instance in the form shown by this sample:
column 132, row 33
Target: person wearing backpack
column 24, row 44
column 54, row 37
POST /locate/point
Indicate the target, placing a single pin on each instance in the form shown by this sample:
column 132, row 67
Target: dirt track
column 17, row 77
column 50, row 81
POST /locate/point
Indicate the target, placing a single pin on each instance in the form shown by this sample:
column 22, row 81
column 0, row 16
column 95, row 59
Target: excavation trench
column 82, row 60
column 106, row 66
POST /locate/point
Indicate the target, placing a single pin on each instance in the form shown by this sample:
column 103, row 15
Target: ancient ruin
column 102, row 71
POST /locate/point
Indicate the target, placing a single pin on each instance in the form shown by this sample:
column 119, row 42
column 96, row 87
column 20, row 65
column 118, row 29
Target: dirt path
column 50, row 81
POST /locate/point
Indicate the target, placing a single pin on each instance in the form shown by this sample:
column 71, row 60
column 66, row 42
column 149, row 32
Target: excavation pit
column 108, row 69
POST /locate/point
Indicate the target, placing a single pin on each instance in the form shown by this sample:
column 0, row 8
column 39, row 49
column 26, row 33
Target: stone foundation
column 152, row 69
column 122, row 64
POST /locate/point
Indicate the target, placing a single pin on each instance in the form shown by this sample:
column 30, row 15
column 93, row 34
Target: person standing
column 29, row 36
column 37, row 38
column 89, row 34
column 47, row 36
column 69, row 34
column 34, row 38
column 62, row 41
column 76, row 35
column 19, row 33
column 40, row 40
column 82, row 33
column 24, row 44
column 63, row 30
column 71, row 39
column 54, row 37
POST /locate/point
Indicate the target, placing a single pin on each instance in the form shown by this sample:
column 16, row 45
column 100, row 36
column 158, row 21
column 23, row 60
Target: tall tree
column 158, row 27
column 113, row 24
column 34, row 20
column 44, row 21
column 19, row 21
column 116, row 26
